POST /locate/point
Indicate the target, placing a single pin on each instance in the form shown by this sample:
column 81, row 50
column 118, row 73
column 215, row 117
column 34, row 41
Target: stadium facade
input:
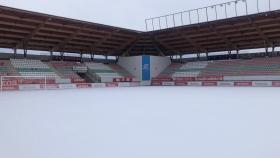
column 155, row 57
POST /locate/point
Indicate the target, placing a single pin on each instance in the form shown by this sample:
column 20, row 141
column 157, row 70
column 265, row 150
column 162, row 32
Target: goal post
column 16, row 82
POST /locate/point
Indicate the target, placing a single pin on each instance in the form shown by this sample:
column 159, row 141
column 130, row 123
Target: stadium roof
column 36, row 31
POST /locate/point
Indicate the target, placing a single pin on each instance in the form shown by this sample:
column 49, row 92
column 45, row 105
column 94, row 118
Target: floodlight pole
column 166, row 22
column 258, row 6
column 182, row 20
column 207, row 14
column 246, row 5
column 216, row 12
column 198, row 18
column 159, row 23
column 190, row 17
column 174, row 23
column 235, row 6
column 146, row 25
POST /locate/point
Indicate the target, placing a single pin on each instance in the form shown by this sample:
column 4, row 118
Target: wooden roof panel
column 37, row 31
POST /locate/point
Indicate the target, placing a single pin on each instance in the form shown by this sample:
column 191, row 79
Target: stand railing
column 210, row 13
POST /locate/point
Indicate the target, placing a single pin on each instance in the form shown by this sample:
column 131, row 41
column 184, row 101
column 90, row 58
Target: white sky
column 124, row 13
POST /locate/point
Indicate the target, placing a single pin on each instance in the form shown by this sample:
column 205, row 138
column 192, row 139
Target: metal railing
column 205, row 14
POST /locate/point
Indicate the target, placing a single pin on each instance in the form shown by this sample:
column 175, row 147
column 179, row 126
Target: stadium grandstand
column 188, row 48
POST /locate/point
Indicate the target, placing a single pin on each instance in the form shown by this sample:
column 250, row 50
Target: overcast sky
column 124, row 13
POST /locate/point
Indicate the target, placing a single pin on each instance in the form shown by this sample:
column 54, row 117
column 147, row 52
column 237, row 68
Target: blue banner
column 146, row 72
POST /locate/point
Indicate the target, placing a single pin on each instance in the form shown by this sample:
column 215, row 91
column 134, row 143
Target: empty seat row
column 259, row 66
column 106, row 73
column 26, row 67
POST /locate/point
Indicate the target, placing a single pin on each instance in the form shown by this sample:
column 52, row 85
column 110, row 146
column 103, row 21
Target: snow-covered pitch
column 143, row 122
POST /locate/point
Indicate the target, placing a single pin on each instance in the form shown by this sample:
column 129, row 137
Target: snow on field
column 148, row 122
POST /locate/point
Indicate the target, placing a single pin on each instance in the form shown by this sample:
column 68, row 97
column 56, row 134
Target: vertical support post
column 24, row 53
column 237, row 53
column 269, row 5
column 92, row 57
column 106, row 58
column 181, row 58
column 15, row 53
column 273, row 48
column 198, row 56
column 81, row 57
column 61, row 56
column 51, row 55
column 266, row 48
column 207, row 56
column 229, row 54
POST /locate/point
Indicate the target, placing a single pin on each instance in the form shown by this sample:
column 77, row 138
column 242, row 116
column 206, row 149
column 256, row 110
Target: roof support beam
column 100, row 42
column 129, row 48
column 67, row 40
column 197, row 46
column 157, row 46
column 260, row 32
column 166, row 45
column 229, row 43
column 31, row 35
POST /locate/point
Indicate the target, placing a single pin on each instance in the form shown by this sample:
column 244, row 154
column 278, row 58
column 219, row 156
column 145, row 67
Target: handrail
column 160, row 20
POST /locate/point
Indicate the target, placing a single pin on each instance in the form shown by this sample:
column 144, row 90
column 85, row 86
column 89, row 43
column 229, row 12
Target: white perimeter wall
column 159, row 64
column 133, row 65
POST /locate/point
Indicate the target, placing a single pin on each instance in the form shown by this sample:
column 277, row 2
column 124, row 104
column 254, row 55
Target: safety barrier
column 14, row 86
